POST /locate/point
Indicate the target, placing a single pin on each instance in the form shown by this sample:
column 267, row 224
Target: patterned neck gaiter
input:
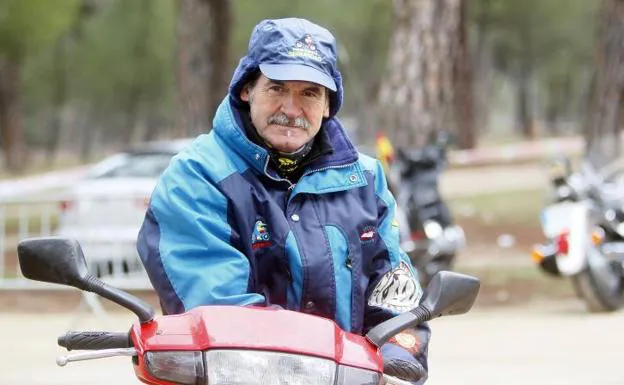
column 288, row 165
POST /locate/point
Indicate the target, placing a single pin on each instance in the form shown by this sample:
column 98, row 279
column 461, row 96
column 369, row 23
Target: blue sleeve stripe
column 387, row 231
column 340, row 251
column 195, row 248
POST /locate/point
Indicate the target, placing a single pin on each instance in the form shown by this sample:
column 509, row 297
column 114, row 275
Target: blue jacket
column 222, row 229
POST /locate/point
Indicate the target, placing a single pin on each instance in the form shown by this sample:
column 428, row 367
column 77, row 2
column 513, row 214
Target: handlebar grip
column 94, row 340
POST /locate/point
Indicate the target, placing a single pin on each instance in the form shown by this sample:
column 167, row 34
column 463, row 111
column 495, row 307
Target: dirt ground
column 544, row 343
column 526, row 328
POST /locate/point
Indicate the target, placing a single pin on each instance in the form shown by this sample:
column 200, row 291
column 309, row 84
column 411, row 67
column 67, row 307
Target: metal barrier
column 112, row 258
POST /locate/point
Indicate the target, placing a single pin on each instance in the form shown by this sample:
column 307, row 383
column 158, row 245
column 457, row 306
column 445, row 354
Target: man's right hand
column 411, row 371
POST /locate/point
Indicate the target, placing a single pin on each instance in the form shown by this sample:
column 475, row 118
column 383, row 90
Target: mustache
column 283, row 120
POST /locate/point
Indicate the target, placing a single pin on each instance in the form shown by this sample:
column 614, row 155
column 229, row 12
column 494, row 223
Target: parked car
column 104, row 211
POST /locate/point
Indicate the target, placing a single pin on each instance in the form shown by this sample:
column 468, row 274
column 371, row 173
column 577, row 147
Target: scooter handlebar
column 94, row 340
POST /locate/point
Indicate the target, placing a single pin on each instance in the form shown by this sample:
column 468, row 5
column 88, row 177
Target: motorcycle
column 584, row 226
column 429, row 236
column 235, row 344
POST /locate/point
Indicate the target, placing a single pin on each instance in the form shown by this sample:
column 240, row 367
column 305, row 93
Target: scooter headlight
column 180, row 367
column 245, row 367
column 248, row 367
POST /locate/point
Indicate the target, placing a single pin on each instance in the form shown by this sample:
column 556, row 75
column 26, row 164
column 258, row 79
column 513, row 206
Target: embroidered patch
column 368, row 234
column 260, row 237
column 306, row 47
column 398, row 290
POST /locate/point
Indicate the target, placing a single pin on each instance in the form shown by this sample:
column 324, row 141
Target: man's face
column 286, row 114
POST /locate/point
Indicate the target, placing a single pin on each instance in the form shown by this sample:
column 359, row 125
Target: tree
column 463, row 81
column 203, row 36
column 25, row 27
column 61, row 73
column 543, row 46
column 416, row 96
column 606, row 117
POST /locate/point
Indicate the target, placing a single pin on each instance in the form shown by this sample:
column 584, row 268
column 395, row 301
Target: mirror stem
column 139, row 307
column 381, row 333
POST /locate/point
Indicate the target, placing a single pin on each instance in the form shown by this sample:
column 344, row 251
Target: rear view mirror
column 53, row 260
column 448, row 293
column 60, row 260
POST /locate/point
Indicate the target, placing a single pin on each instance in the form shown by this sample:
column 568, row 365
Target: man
column 276, row 207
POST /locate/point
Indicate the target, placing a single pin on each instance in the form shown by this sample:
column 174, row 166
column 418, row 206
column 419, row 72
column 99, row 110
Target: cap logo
column 305, row 47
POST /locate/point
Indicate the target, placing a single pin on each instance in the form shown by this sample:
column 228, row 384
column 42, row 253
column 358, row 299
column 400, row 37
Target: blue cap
column 294, row 49
column 291, row 49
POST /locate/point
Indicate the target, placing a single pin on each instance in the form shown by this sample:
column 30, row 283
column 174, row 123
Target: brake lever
column 92, row 355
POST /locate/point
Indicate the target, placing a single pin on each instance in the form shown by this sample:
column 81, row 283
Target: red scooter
column 232, row 345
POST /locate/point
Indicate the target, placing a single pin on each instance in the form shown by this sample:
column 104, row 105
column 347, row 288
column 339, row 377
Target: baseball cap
column 294, row 49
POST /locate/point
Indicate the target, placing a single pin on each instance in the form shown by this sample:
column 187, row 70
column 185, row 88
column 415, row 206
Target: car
column 105, row 209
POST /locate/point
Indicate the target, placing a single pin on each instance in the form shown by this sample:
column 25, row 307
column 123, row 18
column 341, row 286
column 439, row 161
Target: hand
column 411, row 371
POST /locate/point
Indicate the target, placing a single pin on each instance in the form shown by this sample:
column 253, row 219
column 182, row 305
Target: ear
column 244, row 94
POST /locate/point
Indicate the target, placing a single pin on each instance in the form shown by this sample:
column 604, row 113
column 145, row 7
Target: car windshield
column 146, row 165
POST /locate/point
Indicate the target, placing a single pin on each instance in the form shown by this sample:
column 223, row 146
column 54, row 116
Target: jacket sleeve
column 185, row 243
column 394, row 287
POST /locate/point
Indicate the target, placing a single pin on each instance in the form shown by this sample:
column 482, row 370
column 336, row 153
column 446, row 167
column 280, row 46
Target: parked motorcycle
column 231, row 344
column 584, row 226
column 429, row 236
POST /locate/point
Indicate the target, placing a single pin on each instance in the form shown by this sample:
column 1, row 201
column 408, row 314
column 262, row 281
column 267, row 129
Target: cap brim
column 297, row 72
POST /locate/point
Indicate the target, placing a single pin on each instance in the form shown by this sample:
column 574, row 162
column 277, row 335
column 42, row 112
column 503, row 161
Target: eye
column 276, row 88
column 311, row 94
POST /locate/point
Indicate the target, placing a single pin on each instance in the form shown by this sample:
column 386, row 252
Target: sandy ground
column 545, row 343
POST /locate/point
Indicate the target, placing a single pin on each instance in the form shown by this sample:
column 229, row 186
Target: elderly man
column 276, row 207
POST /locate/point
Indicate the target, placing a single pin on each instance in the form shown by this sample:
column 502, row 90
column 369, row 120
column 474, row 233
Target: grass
column 506, row 208
column 505, row 285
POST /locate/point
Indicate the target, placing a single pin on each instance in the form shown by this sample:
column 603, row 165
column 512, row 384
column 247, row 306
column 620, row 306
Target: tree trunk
column 59, row 97
column 464, row 96
column 483, row 64
column 203, row 34
column 135, row 96
column 524, row 108
column 220, row 52
column 605, row 114
column 416, row 96
column 13, row 146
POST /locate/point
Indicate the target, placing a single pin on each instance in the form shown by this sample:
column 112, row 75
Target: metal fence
column 114, row 260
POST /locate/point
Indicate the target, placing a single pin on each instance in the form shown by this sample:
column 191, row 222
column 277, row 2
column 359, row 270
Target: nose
column 291, row 106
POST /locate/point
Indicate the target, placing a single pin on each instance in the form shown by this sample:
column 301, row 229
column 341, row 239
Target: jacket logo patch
column 260, row 237
column 367, row 234
column 398, row 290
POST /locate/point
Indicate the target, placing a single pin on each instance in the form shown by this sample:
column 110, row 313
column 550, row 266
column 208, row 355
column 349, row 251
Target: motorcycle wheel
column 600, row 284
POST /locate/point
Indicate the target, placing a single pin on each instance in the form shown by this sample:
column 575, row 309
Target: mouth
column 288, row 130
